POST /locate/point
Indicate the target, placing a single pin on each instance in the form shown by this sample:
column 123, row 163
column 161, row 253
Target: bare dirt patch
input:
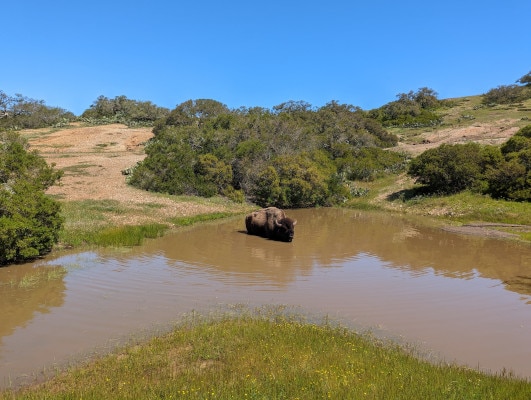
column 494, row 133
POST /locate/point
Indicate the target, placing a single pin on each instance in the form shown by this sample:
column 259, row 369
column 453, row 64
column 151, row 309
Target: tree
column 504, row 94
column 21, row 112
column 196, row 112
column 525, row 80
column 512, row 178
column 30, row 221
column 448, row 168
column 123, row 110
column 413, row 109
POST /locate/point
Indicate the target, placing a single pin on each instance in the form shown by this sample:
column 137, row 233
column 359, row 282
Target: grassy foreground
column 268, row 356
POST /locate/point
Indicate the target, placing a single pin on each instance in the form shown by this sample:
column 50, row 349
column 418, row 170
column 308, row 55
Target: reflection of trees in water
column 405, row 244
column 25, row 290
column 328, row 237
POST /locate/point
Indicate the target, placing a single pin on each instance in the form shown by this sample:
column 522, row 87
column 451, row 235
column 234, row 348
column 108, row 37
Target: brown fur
column 272, row 223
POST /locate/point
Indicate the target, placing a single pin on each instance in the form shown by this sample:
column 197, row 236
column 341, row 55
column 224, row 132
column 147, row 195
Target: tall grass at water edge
column 90, row 223
column 269, row 357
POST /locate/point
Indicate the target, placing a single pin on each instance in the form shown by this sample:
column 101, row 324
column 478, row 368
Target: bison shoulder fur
column 271, row 223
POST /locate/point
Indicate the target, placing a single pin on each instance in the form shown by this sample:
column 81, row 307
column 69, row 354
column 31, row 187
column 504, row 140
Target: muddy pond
column 466, row 299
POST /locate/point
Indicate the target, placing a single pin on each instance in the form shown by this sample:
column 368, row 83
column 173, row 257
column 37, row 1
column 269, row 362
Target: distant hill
column 466, row 120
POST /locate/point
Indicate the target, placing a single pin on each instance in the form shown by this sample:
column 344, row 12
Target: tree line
column 21, row 112
column 290, row 156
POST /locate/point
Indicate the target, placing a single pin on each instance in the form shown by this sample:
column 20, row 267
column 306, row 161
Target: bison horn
column 277, row 223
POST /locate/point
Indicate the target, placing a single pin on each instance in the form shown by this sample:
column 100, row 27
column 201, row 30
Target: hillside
column 93, row 158
column 467, row 121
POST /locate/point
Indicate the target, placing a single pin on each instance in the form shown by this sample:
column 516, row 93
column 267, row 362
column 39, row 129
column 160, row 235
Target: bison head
column 284, row 229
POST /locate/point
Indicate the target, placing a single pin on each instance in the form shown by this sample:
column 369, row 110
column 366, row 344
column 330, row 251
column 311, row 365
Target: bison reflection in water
column 271, row 223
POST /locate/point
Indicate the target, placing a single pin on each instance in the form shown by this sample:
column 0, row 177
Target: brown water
column 467, row 299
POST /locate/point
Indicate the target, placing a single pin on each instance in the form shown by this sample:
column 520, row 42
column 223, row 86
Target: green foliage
column 123, row 110
column 213, row 172
column 512, row 179
column 453, row 168
column 369, row 163
column 303, row 181
column 506, row 94
column 288, row 157
column 197, row 112
column 412, row 110
column 526, row 79
column 20, row 112
column 504, row 173
column 267, row 190
column 29, row 220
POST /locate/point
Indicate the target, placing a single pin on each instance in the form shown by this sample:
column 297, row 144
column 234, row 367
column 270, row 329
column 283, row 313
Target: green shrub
column 123, row 110
column 411, row 110
column 512, row 179
column 506, row 94
column 29, row 220
column 451, row 168
column 369, row 163
column 502, row 172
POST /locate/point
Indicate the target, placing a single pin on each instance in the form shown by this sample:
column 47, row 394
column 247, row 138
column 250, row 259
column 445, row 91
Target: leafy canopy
column 290, row 156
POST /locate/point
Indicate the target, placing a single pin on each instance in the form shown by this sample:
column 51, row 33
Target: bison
column 270, row 223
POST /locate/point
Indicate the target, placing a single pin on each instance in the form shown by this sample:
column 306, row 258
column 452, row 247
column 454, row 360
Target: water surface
column 467, row 299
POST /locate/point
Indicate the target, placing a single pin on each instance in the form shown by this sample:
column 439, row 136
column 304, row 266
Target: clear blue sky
column 260, row 53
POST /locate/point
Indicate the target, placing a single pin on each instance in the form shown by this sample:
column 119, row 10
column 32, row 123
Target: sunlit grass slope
column 273, row 357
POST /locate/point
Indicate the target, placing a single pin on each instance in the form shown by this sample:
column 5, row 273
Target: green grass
column 187, row 221
column 90, row 222
column 468, row 207
column 269, row 357
column 126, row 235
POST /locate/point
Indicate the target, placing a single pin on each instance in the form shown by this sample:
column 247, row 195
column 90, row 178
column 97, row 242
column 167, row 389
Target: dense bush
column 501, row 172
column 290, row 156
column 123, row 110
column 506, row 94
column 29, row 220
column 369, row 163
column 412, row 110
column 453, row 168
column 512, row 179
